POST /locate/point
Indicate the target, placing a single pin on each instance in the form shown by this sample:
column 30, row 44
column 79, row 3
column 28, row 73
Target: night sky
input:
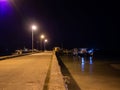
column 66, row 23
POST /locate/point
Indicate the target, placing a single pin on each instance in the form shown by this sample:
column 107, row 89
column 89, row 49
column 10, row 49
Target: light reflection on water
column 86, row 62
column 90, row 65
column 91, row 61
column 82, row 64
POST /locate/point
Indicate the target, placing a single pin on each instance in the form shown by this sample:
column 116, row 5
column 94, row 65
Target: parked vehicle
column 90, row 52
column 85, row 52
column 18, row 51
column 82, row 52
column 75, row 51
column 56, row 49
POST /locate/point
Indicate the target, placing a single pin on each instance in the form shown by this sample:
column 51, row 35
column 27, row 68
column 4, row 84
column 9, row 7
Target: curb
column 56, row 81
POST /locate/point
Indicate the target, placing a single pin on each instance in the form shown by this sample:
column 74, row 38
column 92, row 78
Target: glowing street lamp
column 42, row 37
column 33, row 29
column 45, row 41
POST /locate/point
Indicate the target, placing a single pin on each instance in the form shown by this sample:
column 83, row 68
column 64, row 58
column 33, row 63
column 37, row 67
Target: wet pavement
column 91, row 73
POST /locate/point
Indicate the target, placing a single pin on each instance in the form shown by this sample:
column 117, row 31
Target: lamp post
column 33, row 29
column 45, row 41
column 42, row 37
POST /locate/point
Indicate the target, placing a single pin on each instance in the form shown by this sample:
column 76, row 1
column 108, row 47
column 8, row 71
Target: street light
column 45, row 41
column 42, row 37
column 34, row 27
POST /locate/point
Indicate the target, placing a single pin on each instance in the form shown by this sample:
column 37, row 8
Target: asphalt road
column 24, row 73
column 92, row 73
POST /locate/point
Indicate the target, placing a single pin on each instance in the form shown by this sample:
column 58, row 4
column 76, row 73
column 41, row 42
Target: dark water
column 70, row 82
column 98, row 65
column 107, row 54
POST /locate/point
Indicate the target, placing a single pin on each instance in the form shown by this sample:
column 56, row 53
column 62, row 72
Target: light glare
column 34, row 27
column 42, row 36
column 3, row 0
column 46, row 40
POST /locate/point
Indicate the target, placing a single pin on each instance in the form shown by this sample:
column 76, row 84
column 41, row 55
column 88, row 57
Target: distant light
column 42, row 36
column 46, row 40
column 91, row 51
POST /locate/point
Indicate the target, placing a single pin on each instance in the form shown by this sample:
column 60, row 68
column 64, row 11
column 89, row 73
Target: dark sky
column 67, row 23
